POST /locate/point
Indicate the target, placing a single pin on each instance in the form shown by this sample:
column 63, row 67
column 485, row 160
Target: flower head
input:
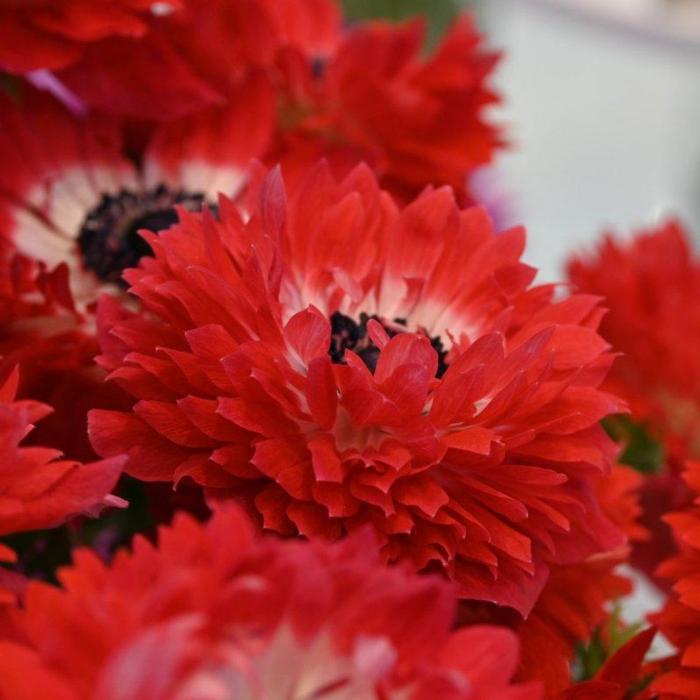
column 679, row 620
column 46, row 35
column 336, row 361
column 69, row 195
column 213, row 612
column 651, row 284
column 37, row 489
column 415, row 120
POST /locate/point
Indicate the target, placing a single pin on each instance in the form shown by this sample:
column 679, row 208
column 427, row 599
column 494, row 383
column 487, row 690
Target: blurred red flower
column 36, row 34
column 414, row 119
column 575, row 601
column 69, row 196
column 338, row 361
column 651, row 283
column 679, row 620
column 214, row 612
column 38, row 489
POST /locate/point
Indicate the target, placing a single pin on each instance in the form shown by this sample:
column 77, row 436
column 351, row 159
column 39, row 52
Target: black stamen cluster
column 348, row 334
column 109, row 240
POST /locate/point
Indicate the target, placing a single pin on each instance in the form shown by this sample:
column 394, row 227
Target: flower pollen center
column 348, row 334
column 109, row 239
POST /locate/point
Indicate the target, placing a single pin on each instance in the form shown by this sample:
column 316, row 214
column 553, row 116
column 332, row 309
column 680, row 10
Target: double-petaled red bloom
column 337, row 361
column 213, row 612
column 38, row 489
column 651, row 284
column 69, row 195
column 575, row 601
column 415, row 120
column 680, row 618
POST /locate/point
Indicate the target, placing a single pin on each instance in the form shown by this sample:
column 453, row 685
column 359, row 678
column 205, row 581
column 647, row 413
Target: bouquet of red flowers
column 283, row 412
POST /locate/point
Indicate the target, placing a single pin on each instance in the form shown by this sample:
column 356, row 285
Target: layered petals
column 47, row 35
column 335, row 361
column 37, row 489
column 69, row 195
column 213, row 611
column 651, row 282
column 415, row 120
column 679, row 620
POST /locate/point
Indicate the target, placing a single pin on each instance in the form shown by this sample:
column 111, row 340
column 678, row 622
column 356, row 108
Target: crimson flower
column 679, row 620
column 575, row 601
column 69, row 196
column 415, row 120
column 44, row 34
column 337, row 361
column 213, row 612
column 650, row 283
column 38, row 489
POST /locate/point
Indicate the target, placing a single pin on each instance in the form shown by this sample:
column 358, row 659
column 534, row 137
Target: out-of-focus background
column 602, row 106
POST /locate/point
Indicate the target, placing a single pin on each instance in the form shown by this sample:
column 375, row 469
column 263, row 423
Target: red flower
column 214, row 612
column 37, row 489
column 46, row 34
column 158, row 60
column 651, row 284
column 575, row 599
column 69, row 195
column 679, row 621
column 415, row 120
column 360, row 364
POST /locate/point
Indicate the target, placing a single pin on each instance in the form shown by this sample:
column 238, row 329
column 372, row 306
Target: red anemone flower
column 214, row 612
column 337, row 361
column 414, row 119
column 679, row 620
column 575, row 599
column 651, row 284
column 68, row 194
column 38, row 489
column 36, row 34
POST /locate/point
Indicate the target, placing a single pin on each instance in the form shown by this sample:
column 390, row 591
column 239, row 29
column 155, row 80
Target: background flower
column 214, row 612
column 679, row 620
column 70, row 195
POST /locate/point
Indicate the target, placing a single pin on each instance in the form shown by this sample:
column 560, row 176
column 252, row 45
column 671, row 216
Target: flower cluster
column 251, row 299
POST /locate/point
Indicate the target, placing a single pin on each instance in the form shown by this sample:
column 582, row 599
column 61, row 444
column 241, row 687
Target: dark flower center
column 348, row 334
column 109, row 239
